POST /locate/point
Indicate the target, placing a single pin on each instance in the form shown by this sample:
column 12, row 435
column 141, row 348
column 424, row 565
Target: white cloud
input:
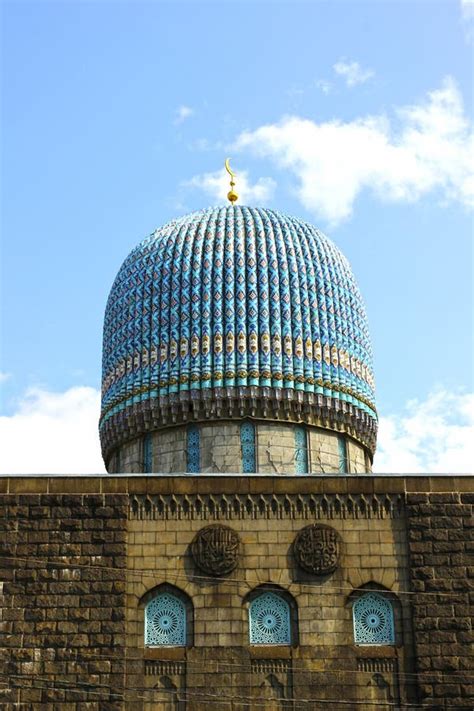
column 352, row 72
column 52, row 433
column 430, row 437
column 426, row 147
column 4, row 376
column 182, row 113
column 216, row 185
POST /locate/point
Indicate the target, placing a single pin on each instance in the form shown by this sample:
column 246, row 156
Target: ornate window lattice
column 148, row 453
column 193, row 450
column 269, row 620
column 373, row 620
column 165, row 622
column 247, row 441
column 301, row 451
column 343, row 461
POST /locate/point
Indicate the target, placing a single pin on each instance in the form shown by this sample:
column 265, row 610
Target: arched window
column 373, row 620
column 269, row 620
column 193, row 450
column 247, row 442
column 165, row 621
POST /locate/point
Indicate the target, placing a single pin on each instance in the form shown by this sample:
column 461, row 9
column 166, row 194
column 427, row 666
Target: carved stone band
column 215, row 549
column 317, row 548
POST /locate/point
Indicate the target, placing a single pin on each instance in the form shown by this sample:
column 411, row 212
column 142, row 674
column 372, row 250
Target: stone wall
column 221, row 450
column 63, row 562
column 440, row 531
column 81, row 556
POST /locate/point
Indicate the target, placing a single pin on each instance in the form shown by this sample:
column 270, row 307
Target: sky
column 118, row 116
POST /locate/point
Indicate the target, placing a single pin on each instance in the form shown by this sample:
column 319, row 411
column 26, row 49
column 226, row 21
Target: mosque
column 239, row 554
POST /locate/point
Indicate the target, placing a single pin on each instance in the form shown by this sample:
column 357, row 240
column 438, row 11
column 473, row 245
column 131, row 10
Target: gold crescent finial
column 231, row 195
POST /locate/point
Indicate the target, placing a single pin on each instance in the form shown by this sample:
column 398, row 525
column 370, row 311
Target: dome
column 235, row 312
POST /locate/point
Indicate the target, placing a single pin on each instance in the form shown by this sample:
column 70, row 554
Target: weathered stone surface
column 54, row 580
column 443, row 624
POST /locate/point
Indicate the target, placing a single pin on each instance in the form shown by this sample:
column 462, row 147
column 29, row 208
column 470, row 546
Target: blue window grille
column 373, row 620
column 343, row 460
column 165, row 622
column 301, row 450
column 247, row 442
column 269, row 620
column 193, row 463
column 148, row 453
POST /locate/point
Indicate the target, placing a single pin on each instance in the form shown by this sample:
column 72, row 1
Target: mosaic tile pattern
column 236, row 297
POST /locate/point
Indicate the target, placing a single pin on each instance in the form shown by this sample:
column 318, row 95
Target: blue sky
column 356, row 116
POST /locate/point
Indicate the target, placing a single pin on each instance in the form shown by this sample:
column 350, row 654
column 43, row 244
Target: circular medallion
column 317, row 548
column 215, row 549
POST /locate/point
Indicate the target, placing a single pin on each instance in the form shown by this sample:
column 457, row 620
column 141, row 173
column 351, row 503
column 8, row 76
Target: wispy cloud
column 182, row 113
column 352, row 72
column 4, row 376
column 323, row 85
column 216, row 185
column 467, row 14
column 431, row 436
column 52, row 433
column 467, row 9
column 426, row 147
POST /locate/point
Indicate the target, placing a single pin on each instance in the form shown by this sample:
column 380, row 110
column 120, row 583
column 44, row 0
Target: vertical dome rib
column 231, row 312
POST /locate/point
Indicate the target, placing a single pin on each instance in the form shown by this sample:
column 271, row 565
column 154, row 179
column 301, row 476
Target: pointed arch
column 272, row 616
column 168, row 617
column 373, row 617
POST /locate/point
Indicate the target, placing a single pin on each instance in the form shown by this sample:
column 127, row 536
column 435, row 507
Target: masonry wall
column 80, row 555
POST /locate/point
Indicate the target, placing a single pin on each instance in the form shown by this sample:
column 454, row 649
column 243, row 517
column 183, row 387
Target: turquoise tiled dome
column 235, row 312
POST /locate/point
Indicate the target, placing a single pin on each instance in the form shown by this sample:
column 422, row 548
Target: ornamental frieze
column 215, row 549
column 317, row 549
column 225, row 507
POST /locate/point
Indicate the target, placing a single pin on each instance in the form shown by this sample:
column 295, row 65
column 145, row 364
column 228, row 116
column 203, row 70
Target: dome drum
column 316, row 410
column 235, row 312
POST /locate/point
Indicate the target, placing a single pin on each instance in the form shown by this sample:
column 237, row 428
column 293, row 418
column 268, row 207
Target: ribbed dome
column 234, row 312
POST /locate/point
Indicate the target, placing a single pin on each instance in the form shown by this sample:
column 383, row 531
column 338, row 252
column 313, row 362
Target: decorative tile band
column 228, row 507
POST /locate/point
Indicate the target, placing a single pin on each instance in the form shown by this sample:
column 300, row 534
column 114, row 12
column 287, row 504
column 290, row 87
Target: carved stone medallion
column 317, row 548
column 215, row 549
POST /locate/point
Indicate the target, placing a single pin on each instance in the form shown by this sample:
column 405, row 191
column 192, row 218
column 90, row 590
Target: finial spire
column 231, row 195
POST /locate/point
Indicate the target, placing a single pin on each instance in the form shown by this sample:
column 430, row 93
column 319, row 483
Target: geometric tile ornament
column 236, row 305
column 301, row 450
column 247, row 441
column 269, row 620
column 165, row 621
column 193, row 450
column 373, row 620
